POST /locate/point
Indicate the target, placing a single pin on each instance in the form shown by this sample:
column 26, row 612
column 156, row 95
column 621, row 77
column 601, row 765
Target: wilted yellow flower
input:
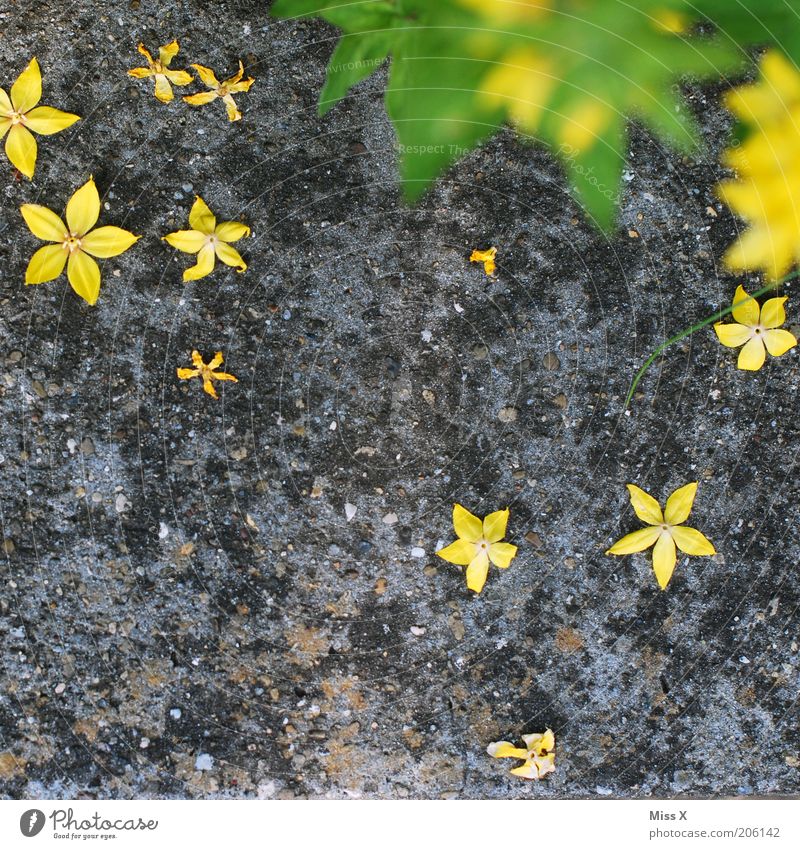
column 666, row 530
column 478, row 543
column 223, row 89
column 538, row 754
column 767, row 193
column 487, row 258
column 159, row 68
column 756, row 328
column 75, row 242
column 208, row 371
column 19, row 114
column 207, row 239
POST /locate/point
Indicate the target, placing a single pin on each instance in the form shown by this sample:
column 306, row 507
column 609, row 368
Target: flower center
column 17, row 118
column 483, row 545
column 72, row 243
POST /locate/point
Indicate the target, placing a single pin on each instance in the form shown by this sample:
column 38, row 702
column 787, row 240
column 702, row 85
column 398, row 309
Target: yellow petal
column 5, row 103
column 223, row 375
column 231, row 231
column 163, row 89
column 691, row 541
column 27, row 90
column 679, row 504
column 502, row 553
column 21, row 149
column 504, row 749
column 466, row 525
column 540, row 743
column 83, row 208
column 43, row 223
column 585, row 124
column 477, row 571
column 208, row 386
column 664, row 559
column 782, row 75
column 230, row 256
column 636, row 541
column 5, row 126
column 230, row 107
column 752, row 356
column 460, row 552
column 141, row 73
column 732, row 335
column 45, row 120
column 243, row 85
column 205, row 264
column 231, row 81
column 778, row 342
column 772, row 313
column 186, row 373
column 201, row 218
column 167, row 53
column 747, row 312
column 145, row 52
column 179, row 77
column 84, row 276
column 207, row 76
column 108, row 241
column 197, row 360
column 201, row 98
column 216, row 361
column 46, row 264
column 188, row 241
column 494, row 526
column 645, row 506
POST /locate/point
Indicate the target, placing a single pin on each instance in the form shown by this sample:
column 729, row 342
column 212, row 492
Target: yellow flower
column 478, row 543
column 487, row 258
column 767, row 193
column 523, row 83
column 755, row 328
column 159, row 68
column 19, row 114
column 208, row 371
column 223, row 89
column 538, row 754
column 207, row 239
column 666, row 530
column 75, row 241
column 503, row 11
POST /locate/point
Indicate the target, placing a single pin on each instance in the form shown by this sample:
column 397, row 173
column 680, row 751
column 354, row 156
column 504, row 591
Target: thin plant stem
column 695, row 327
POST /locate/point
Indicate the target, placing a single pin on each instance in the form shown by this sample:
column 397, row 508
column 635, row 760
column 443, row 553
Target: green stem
column 695, row 327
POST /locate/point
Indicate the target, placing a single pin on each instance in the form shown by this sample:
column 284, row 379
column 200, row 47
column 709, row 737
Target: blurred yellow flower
column 19, row 114
column 208, row 239
column 538, row 754
column 223, row 89
column 522, row 82
column 666, row 530
column 487, row 258
column 767, row 191
column 159, row 68
column 510, row 11
column 208, row 371
column 75, row 242
column 756, row 328
column 477, row 544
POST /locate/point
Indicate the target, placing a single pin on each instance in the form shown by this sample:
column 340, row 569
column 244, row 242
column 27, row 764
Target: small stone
column 560, row 401
column 121, row 503
column 144, row 742
column 87, row 446
column 417, row 631
column 60, row 688
column 534, row 539
column 508, row 414
column 429, row 397
column 8, row 545
column 204, row 762
column 417, row 552
column 350, row 511
column 551, row 362
column 390, row 519
column 480, row 351
column 380, row 586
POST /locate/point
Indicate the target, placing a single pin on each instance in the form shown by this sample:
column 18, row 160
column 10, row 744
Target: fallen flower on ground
column 757, row 329
column 76, row 242
column 19, row 114
column 487, row 258
column 666, row 530
column 208, row 239
column 538, row 754
column 477, row 544
column 208, row 371
column 767, row 187
column 159, row 68
column 224, row 89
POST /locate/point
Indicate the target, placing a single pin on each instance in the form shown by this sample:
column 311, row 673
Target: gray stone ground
column 186, row 611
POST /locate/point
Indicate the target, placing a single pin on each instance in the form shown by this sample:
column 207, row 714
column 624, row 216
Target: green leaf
column 355, row 58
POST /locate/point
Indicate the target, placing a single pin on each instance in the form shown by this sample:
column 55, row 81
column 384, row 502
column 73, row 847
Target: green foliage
column 569, row 73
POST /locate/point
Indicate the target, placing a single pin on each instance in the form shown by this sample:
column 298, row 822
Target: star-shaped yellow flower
column 767, row 191
column 666, row 530
column 487, row 258
column 756, row 328
column 538, row 754
column 208, row 239
column 19, row 114
column 478, row 543
column 159, row 68
column 75, row 241
column 224, row 89
column 208, row 371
